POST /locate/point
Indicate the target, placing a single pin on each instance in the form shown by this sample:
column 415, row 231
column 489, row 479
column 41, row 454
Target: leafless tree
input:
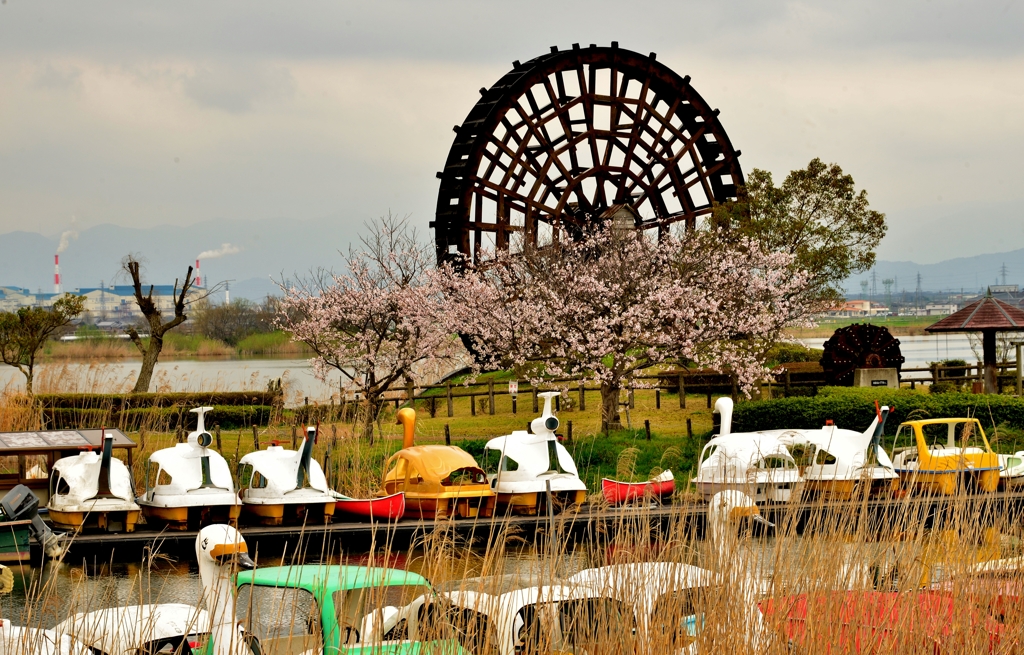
column 154, row 318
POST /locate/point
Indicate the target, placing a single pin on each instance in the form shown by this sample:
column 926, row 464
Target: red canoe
column 617, row 493
column 388, row 508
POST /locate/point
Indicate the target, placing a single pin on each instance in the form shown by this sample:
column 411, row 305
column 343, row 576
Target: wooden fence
column 666, row 386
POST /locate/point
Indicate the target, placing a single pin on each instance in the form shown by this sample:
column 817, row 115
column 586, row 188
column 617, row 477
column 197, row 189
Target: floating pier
column 596, row 526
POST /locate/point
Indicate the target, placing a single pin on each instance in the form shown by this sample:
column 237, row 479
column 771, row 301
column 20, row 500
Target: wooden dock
column 589, row 525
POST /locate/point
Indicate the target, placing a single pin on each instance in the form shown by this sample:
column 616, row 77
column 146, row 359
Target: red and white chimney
column 199, row 280
column 56, row 273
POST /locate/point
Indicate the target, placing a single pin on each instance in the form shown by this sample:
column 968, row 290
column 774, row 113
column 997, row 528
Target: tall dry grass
column 860, row 581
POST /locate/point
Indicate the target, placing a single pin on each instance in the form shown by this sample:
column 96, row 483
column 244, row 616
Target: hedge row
column 120, row 402
column 155, row 418
column 854, row 409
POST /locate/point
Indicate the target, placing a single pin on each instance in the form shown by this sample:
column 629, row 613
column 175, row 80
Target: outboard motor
column 20, row 504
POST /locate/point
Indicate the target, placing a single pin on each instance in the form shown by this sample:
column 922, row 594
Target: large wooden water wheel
column 577, row 136
column 859, row 346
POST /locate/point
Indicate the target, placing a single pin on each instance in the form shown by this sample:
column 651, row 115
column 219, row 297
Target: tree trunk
column 28, row 380
column 370, row 408
column 149, row 359
column 610, row 405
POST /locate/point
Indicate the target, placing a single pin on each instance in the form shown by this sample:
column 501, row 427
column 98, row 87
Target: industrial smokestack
column 199, row 280
column 56, row 273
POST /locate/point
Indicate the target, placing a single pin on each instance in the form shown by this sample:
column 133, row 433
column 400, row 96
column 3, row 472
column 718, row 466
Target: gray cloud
column 234, row 88
column 185, row 112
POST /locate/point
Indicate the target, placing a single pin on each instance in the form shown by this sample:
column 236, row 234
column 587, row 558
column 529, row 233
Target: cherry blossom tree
column 612, row 303
column 375, row 322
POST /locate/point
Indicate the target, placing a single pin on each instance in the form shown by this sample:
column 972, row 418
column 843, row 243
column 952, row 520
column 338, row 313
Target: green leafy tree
column 23, row 333
column 817, row 216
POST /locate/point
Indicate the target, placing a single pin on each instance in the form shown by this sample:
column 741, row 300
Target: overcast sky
column 146, row 113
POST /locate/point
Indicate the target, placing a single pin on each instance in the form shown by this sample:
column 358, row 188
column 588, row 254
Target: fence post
column 535, row 409
column 682, row 392
column 295, row 436
column 583, row 397
column 709, row 399
column 433, row 407
column 216, row 433
column 447, row 435
column 490, row 397
column 513, row 405
column 568, row 432
column 935, row 373
column 558, row 403
column 1020, row 371
column 629, row 395
column 472, row 405
column 451, row 408
column 647, row 428
column 255, row 438
column 657, row 399
column 689, row 429
column 789, row 383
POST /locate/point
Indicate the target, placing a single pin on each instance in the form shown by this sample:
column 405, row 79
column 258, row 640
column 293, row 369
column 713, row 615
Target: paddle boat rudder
column 190, row 484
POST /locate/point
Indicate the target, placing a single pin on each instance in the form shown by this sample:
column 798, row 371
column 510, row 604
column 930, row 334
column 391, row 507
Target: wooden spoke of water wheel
column 577, row 136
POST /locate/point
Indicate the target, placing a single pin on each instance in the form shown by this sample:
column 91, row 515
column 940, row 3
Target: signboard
column 879, row 383
column 513, row 388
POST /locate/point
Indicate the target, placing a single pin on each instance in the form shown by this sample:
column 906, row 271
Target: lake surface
column 188, row 375
column 299, row 382
column 919, row 350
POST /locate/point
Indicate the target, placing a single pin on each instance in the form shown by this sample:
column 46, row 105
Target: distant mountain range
column 967, row 273
column 265, row 250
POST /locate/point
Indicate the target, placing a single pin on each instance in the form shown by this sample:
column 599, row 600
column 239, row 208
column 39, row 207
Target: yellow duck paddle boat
column 438, row 481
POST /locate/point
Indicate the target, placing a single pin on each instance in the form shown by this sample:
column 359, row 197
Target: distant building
column 935, row 309
column 860, row 308
column 114, row 303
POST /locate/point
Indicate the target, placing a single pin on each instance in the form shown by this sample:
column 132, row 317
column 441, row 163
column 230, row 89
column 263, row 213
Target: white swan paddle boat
column 93, row 490
column 527, row 465
column 842, row 461
column 756, row 463
column 174, row 627
column 286, row 486
column 190, row 484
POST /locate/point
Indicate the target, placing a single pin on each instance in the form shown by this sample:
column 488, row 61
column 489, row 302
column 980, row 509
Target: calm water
column 71, row 588
column 193, row 375
column 919, row 350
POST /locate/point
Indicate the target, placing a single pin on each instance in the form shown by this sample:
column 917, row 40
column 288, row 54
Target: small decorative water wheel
column 576, row 136
column 859, row 346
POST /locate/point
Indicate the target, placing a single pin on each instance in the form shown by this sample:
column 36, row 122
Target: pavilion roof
column 988, row 313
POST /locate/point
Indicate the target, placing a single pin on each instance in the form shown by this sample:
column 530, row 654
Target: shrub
column 785, row 352
column 854, row 409
column 943, row 387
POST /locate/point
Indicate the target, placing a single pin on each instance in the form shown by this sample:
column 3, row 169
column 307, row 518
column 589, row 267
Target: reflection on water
column 69, row 588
